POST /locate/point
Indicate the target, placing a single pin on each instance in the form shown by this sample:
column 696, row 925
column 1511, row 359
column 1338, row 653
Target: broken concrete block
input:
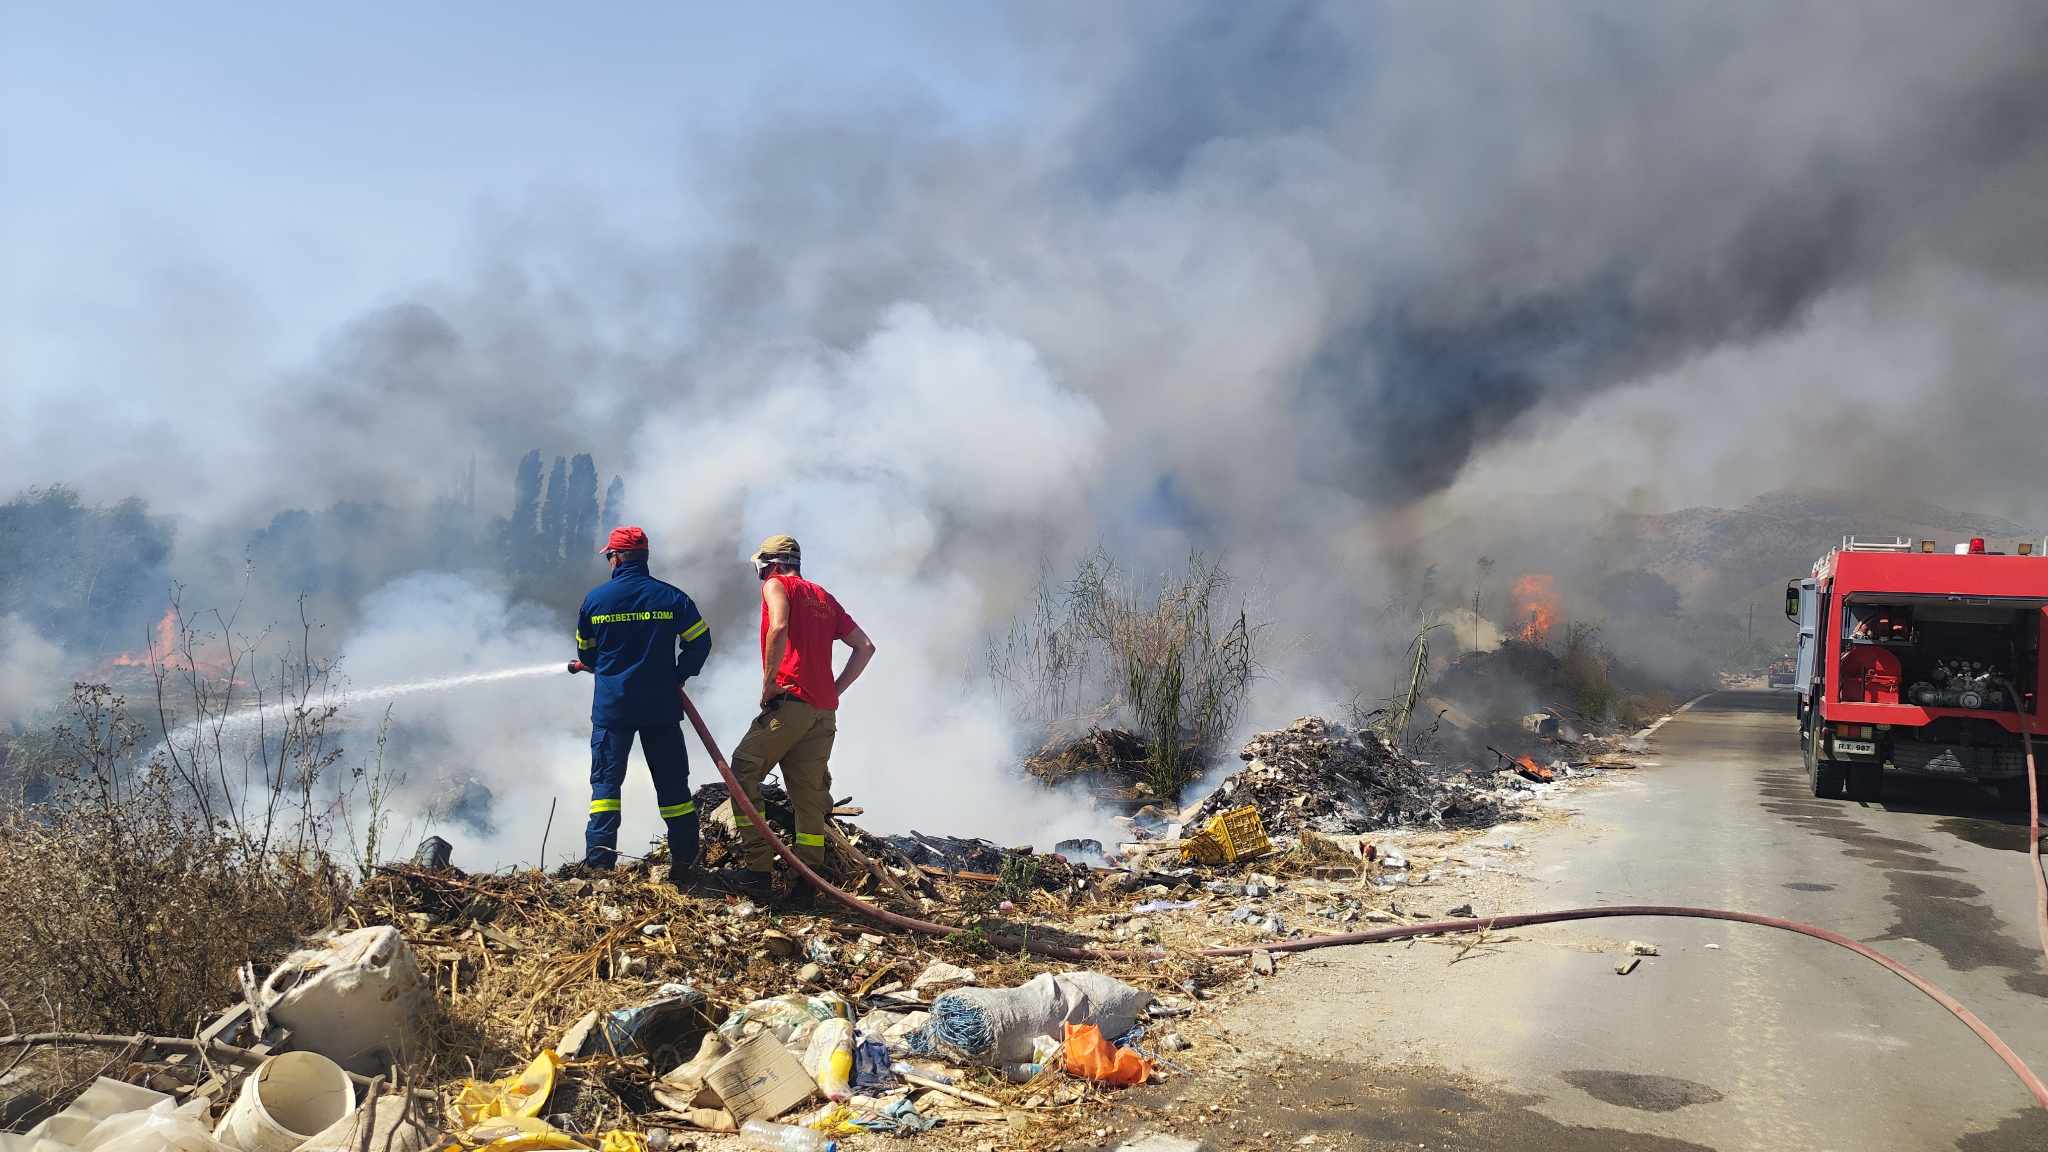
column 1262, row 962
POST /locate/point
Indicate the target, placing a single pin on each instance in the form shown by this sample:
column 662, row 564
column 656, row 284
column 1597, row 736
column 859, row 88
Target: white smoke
column 31, row 670
column 870, row 458
column 925, row 439
column 525, row 740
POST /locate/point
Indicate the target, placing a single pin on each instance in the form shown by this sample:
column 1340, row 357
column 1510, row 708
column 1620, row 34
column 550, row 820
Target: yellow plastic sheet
column 523, row 1095
column 520, row 1134
column 834, row 1120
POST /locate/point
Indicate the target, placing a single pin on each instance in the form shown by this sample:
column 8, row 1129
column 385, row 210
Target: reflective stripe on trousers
column 668, row 762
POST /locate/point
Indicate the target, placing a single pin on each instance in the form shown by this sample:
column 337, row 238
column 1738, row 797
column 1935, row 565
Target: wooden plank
column 973, row 877
column 880, row 873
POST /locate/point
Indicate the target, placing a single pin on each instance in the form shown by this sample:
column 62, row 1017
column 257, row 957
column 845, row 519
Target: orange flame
column 164, row 642
column 1535, row 606
column 167, row 643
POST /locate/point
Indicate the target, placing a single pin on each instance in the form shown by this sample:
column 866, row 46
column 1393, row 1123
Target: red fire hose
column 2026, row 1075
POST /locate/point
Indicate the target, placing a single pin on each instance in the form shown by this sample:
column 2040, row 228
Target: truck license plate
column 1856, row 747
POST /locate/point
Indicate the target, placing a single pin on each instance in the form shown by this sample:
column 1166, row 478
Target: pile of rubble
column 1321, row 777
column 610, row 1012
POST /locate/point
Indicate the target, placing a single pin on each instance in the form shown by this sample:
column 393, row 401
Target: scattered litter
column 524, row 1093
column 355, row 999
column 759, row 1078
column 1627, row 966
column 288, row 1099
column 1092, row 1057
column 1151, row 906
column 994, row 1026
column 829, row 1058
column 784, row 1138
column 1322, row 777
column 1394, row 858
column 1638, row 948
column 1262, row 962
column 1227, row 837
column 941, row 977
column 162, row 1127
column 1714, row 947
column 102, row 1099
column 1462, row 911
column 433, row 854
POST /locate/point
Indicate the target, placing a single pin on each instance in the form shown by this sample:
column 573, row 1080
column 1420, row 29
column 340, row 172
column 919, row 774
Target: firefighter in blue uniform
column 642, row 638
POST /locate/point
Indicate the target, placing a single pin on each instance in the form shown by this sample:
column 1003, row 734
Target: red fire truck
column 1917, row 659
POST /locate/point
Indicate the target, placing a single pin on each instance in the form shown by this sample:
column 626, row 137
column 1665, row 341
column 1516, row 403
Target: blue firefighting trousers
column 668, row 761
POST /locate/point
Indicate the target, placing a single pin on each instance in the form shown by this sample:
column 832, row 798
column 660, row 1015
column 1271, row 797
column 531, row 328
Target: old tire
column 1826, row 774
column 1866, row 781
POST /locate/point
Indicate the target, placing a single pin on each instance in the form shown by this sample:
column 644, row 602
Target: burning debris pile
column 611, row 1001
column 1111, row 763
column 1505, row 683
column 1320, row 777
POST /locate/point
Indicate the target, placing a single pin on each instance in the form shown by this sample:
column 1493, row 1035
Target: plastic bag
column 996, row 1026
column 354, row 1000
column 513, row 1096
column 1091, row 1057
column 159, row 1128
column 790, row 1017
column 871, row 1063
column 829, row 1059
column 520, row 1134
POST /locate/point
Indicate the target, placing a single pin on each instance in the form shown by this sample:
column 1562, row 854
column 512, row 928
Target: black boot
column 756, row 886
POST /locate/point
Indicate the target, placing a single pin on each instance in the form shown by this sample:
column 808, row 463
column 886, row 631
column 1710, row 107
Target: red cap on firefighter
column 627, row 539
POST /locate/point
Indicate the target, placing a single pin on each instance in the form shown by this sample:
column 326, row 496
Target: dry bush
column 144, row 872
column 1586, row 677
column 122, row 908
column 1175, row 664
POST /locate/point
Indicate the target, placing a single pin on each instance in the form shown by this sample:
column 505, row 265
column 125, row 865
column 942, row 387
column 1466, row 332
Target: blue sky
column 278, row 169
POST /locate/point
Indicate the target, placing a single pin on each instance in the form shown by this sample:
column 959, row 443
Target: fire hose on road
column 1983, row 1032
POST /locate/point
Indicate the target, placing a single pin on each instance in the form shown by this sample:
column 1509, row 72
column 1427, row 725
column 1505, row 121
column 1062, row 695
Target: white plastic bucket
column 286, row 1101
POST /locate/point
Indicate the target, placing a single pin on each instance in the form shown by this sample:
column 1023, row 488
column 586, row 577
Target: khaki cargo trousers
column 799, row 737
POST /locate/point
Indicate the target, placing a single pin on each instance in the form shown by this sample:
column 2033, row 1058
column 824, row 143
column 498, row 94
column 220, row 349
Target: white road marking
column 1646, row 733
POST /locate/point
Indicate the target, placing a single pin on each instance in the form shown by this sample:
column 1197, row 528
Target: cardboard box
column 759, row 1080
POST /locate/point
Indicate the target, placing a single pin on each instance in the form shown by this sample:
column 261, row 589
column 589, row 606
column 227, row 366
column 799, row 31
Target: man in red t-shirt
column 800, row 621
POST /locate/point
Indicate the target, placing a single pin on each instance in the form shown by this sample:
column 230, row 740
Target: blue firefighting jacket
column 628, row 633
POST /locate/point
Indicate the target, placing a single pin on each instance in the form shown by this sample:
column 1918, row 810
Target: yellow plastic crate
column 1227, row 838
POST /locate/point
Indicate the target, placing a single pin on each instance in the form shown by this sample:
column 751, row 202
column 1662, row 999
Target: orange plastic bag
column 1094, row 1058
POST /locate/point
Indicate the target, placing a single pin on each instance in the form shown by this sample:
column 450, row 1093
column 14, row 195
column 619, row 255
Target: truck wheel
column 1826, row 774
column 1866, row 781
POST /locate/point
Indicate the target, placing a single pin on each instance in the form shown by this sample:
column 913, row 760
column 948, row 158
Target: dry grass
column 518, row 958
column 123, row 909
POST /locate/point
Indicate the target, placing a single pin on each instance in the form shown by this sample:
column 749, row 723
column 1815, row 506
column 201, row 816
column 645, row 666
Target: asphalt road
column 1766, row 1041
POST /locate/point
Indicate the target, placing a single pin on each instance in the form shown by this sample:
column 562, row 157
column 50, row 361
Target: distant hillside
column 1724, row 559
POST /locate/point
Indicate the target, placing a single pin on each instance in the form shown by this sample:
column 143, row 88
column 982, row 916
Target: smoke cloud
column 1287, row 282
column 32, row 670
